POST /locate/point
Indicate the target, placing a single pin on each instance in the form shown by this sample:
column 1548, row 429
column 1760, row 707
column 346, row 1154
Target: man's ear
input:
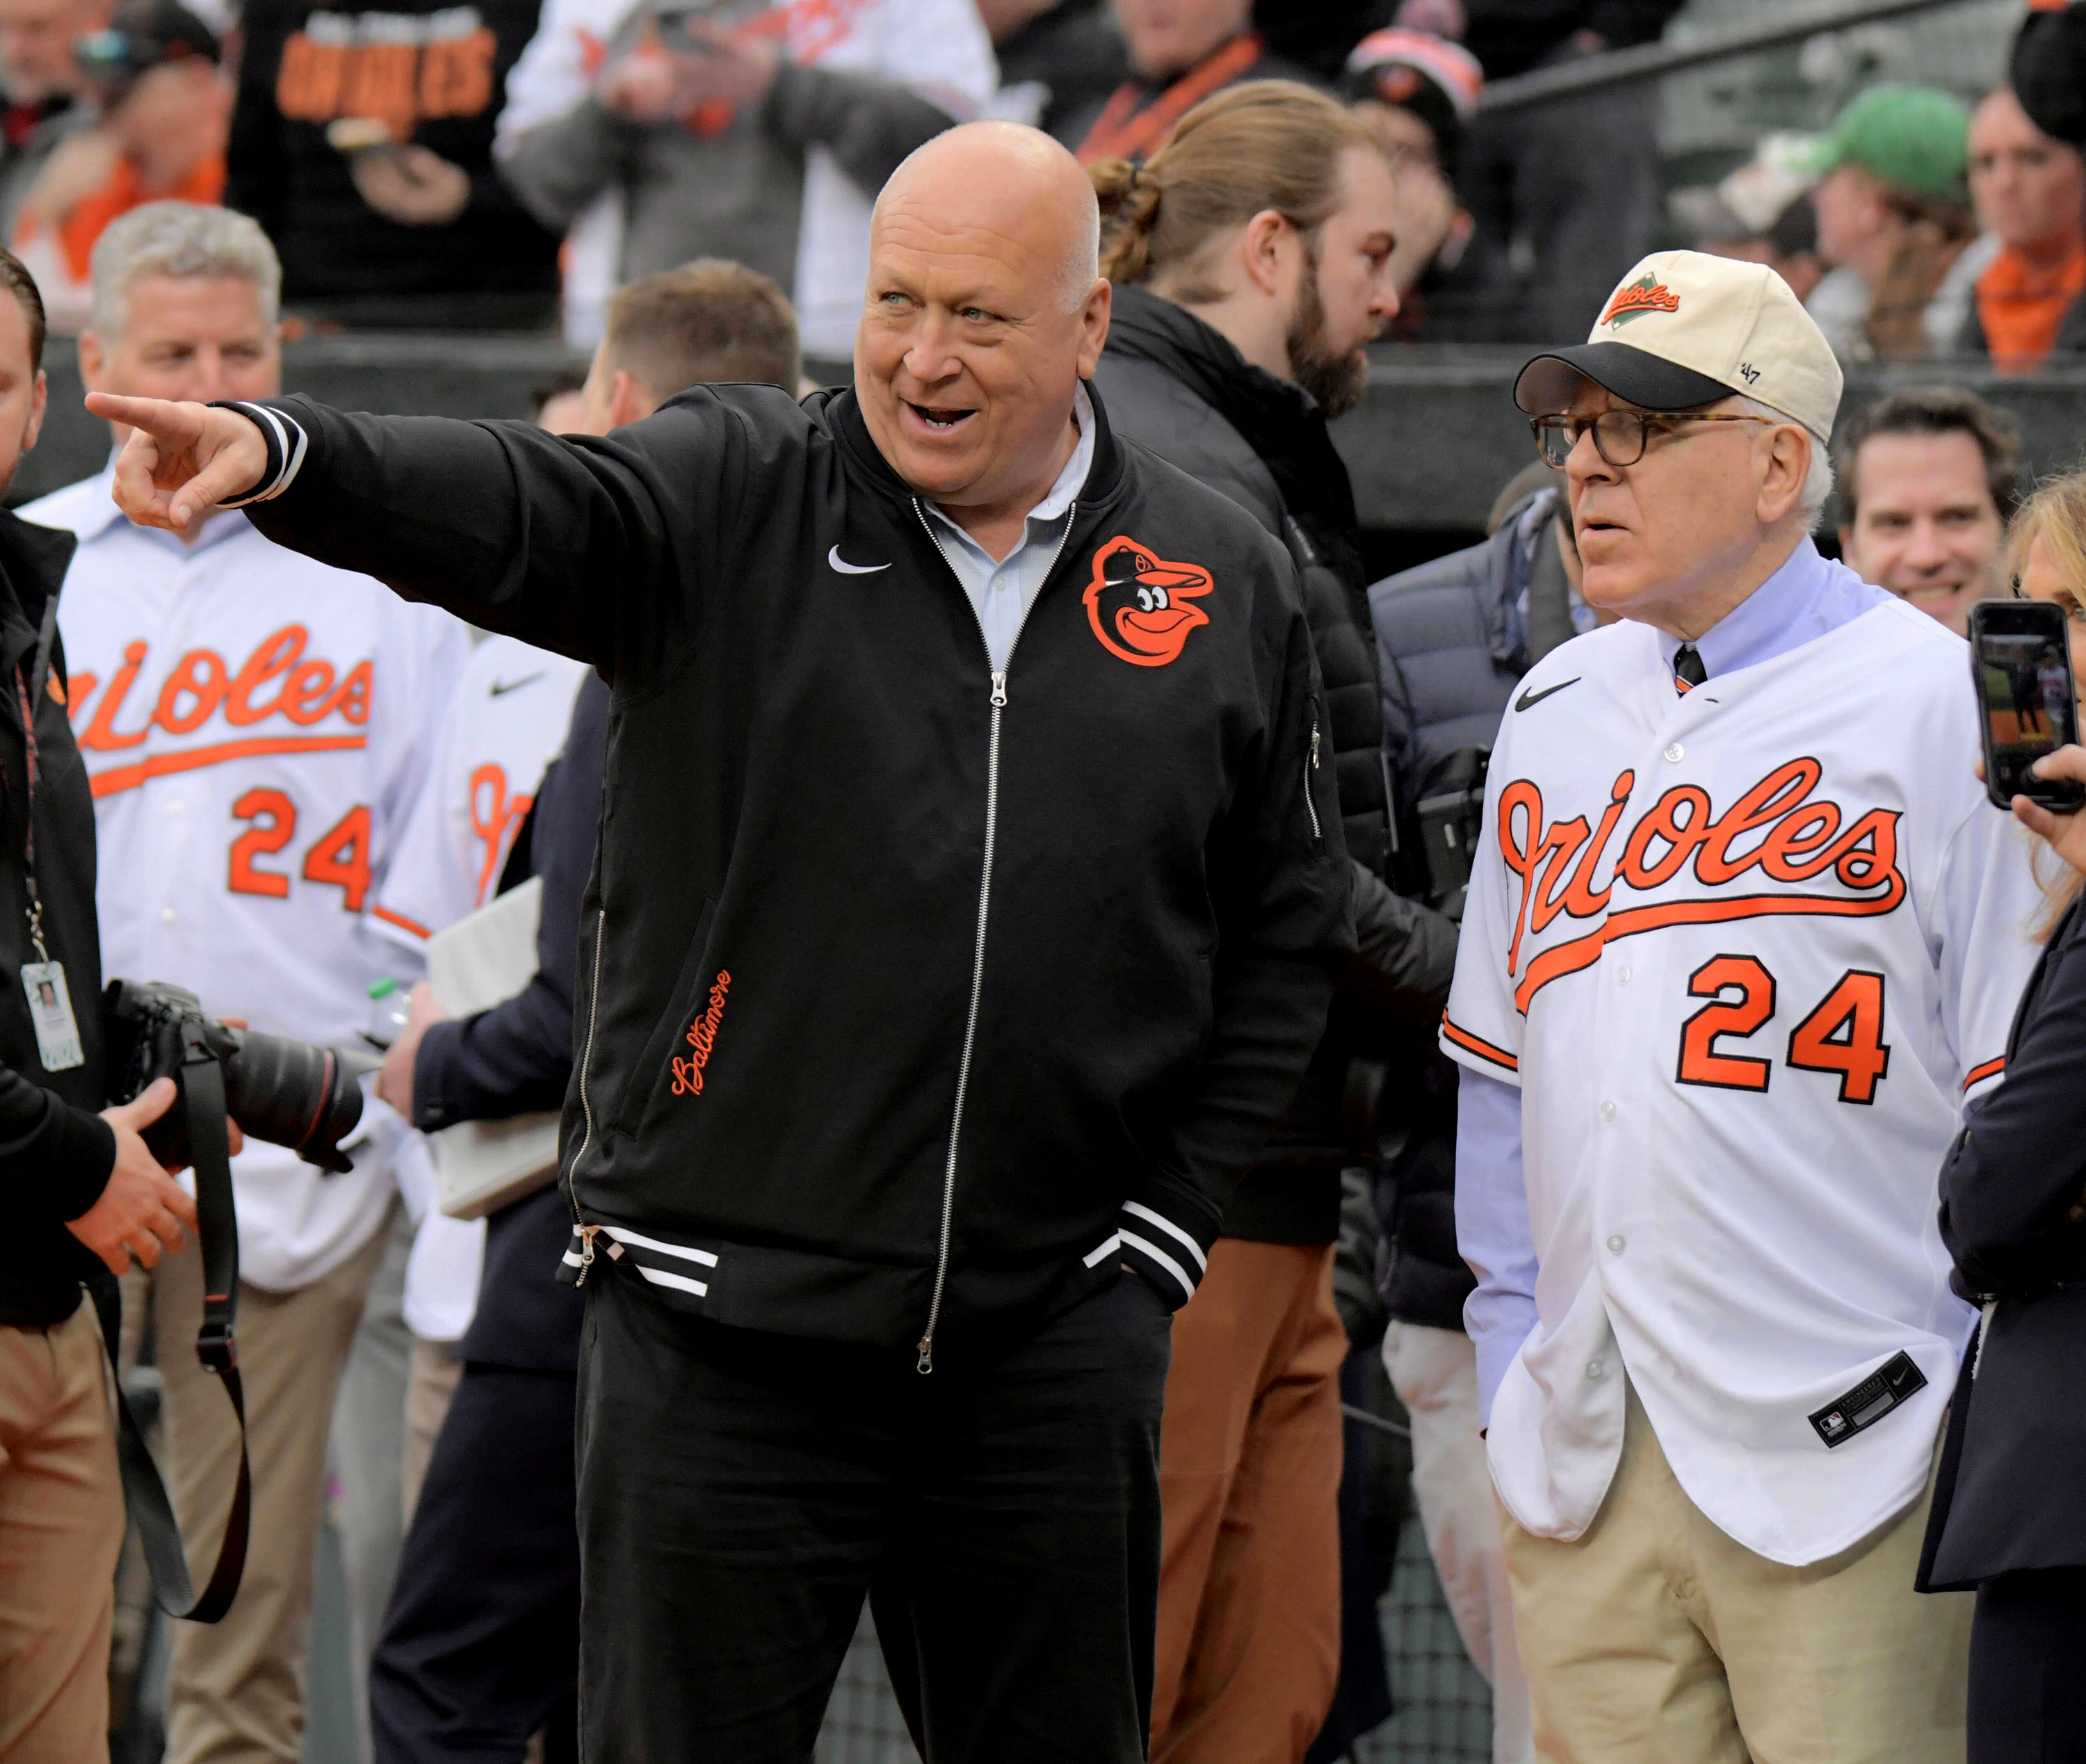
column 1264, row 247
column 1788, row 464
column 93, row 362
column 38, row 401
column 630, row 399
column 1094, row 325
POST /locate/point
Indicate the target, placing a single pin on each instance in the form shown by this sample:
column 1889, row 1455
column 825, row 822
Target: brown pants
column 60, row 1531
column 235, row 1691
column 1248, row 1652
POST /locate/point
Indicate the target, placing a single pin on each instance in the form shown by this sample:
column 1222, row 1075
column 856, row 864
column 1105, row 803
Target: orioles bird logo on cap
column 1139, row 604
column 1644, row 295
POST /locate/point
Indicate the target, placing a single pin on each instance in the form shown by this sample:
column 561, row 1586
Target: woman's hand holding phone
column 2065, row 834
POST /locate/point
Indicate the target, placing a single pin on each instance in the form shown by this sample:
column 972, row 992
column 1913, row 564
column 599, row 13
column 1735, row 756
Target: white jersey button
column 1617, row 1244
column 174, row 807
column 1622, row 977
column 166, row 915
column 1675, row 754
column 1608, row 1109
column 1594, row 1368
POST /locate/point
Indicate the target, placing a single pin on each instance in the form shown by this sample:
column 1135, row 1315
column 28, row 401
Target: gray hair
column 1818, row 481
column 184, row 240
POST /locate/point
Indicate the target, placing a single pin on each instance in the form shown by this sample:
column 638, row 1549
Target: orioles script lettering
column 276, row 681
column 1777, row 829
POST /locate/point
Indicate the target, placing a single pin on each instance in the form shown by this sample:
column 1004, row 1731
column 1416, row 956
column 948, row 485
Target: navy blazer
column 2011, row 1488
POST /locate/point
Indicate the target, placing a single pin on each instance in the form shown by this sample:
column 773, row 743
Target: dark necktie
column 1688, row 669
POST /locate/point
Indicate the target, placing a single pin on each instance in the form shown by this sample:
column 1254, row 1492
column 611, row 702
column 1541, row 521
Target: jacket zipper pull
column 926, row 1355
column 587, row 1254
column 1314, row 746
column 999, row 691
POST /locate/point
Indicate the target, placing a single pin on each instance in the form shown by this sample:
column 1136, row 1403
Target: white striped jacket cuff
column 1146, row 1240
column 286, row 443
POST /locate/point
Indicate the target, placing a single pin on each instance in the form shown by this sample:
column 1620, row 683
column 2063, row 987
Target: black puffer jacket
column 1179, row 387
column 1453, row 641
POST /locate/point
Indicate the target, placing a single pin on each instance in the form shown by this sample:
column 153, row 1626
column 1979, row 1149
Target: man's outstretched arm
column 573, row 544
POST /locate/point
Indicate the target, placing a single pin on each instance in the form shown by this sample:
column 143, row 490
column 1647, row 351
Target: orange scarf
column 2020, row 306
column 1133, row 127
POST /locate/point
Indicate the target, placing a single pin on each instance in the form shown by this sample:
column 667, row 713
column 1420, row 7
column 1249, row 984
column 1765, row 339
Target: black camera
column 287, row 1092
column 1451, row 817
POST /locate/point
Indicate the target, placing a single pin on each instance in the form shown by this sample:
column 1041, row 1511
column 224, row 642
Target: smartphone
column 2020, row 663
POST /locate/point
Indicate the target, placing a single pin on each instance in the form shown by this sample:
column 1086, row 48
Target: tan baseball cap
column 1684, row 328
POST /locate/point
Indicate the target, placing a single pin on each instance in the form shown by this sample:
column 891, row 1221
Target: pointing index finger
column 160, row 417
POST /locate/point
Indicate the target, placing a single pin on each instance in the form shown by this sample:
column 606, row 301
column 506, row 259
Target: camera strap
column 203, row 1092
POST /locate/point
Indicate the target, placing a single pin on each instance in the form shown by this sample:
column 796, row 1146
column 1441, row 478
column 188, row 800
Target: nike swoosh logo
column 501, row 688
column 847, row 569
column 1528, row 700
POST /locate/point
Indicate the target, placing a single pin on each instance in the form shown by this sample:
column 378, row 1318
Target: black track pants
column 740, row 1493
column 2028, row 1669
column 481, row 1641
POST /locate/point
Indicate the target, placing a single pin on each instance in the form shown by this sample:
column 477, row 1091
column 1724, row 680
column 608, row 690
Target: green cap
column 1913, row 136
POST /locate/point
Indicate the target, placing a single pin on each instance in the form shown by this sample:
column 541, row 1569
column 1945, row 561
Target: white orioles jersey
column 1745, row 952
column 255, row 726
column 503, row 727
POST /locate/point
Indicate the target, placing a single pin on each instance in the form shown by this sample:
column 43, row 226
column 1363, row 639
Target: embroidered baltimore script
column 702, row 1037
column 1795, row 838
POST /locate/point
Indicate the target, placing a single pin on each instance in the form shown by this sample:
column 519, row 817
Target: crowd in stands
column 481, row 166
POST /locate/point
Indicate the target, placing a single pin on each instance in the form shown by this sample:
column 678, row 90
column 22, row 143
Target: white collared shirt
column 255, row 726
column 1002, row 589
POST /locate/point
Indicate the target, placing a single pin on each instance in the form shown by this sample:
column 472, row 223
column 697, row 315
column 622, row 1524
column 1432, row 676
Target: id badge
column 50, row 1009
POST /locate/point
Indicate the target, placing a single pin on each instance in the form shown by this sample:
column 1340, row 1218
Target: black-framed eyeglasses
column 1619, row 436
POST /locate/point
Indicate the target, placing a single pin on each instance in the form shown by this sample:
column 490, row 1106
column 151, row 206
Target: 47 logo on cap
column 1140, row 605
column 1645, row 295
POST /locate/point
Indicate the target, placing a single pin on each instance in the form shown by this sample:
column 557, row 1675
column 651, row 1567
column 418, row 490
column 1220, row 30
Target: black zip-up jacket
column 1177, row 385
column 55, row 1151
column 912, row 995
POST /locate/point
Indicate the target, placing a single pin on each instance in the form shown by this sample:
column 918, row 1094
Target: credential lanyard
column 28, row 695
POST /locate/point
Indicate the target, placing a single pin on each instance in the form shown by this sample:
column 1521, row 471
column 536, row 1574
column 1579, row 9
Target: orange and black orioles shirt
column 419, row 72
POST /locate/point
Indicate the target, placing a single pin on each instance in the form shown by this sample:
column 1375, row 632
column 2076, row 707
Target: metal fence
column 1444, row 1707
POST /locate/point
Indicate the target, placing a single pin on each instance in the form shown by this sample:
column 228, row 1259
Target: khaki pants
column 235, row 1691
column 430, row 1386
column 1249, row 1652
column 1435, row 1373
column 61, row 1532
column 1656, row 1640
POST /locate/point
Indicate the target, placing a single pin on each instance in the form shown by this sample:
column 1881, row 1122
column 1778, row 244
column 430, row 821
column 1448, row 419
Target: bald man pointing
column 969, row 892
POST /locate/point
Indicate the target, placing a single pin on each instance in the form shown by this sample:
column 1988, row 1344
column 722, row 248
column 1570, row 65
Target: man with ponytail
column 1251, row 259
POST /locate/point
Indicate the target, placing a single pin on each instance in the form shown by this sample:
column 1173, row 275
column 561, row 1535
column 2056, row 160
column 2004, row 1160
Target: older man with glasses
column 1742, row 935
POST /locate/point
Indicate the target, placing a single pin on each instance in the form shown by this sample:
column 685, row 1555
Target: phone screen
column 2025, row 688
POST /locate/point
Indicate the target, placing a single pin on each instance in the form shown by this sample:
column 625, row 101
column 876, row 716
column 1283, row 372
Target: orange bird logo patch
column 1142, row 607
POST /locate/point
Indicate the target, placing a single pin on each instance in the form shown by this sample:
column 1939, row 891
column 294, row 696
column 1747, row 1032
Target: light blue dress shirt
column 1801, row 601
column 1002, row 589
